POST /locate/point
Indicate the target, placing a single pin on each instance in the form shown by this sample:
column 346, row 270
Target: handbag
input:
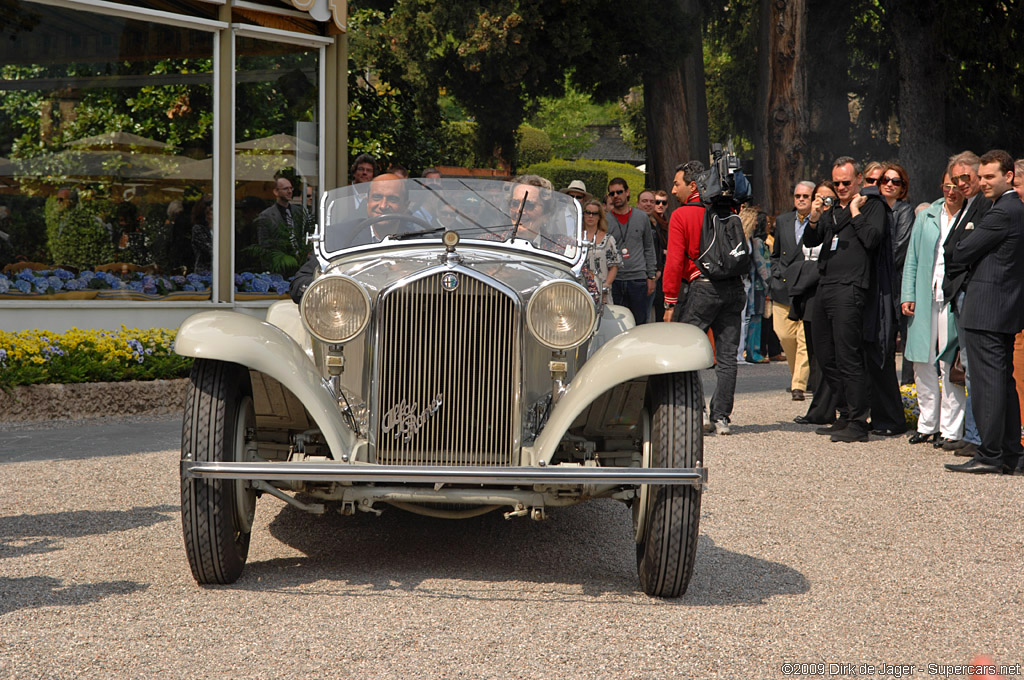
column 957, row 374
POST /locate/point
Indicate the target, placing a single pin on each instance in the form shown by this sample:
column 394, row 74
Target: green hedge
column 534, row 146
column 595, row 174
column 460, row 146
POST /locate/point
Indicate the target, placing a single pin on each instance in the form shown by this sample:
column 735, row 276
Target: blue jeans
column 632, row 294
column 971, row 433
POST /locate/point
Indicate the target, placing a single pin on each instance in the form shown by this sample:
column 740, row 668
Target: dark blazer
column 955, row 277
column 785, row 251
column 993, row 252
column 270, row 221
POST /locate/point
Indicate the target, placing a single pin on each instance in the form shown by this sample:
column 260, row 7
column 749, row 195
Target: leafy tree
column 564, row 119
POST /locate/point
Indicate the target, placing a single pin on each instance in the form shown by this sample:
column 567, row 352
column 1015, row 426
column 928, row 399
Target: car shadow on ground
column 589, row 545
column 22, row 535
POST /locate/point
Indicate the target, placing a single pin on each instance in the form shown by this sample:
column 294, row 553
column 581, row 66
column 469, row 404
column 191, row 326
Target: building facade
column 146, row 149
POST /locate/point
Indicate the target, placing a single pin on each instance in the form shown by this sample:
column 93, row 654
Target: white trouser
column 939, row 411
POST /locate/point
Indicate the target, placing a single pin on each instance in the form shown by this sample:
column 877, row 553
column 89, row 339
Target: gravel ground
column 809, row 552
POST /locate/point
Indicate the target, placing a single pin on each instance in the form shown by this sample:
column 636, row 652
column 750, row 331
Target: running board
column 493, row 476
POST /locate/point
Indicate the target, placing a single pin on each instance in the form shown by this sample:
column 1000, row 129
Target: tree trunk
column 676, row 108
column 922, row 144
column 827, row 66
column 781, row 119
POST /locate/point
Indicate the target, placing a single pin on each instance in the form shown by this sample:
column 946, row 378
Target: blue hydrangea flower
column 55, row 282
column 189, row 287
column 261, row 285
column 5, row 284
column 26, row 274
column 23, row 285
column 64, row 274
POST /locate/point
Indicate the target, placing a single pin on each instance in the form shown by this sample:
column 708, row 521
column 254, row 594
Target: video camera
column 723, row 184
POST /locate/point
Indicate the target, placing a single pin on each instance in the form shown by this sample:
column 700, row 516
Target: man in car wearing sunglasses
column 846, row 267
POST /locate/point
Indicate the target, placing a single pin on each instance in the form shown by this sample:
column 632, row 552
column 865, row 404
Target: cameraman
column 849, row 234
column 693, row 299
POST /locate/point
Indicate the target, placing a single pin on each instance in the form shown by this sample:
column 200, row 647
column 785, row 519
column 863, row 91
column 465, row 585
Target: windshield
column 386, row 211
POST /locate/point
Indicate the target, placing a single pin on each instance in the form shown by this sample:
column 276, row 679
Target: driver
column 387, row 195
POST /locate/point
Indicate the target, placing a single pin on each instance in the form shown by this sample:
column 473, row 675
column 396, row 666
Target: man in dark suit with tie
column 963, row 171
column 789, row 230
column 993, row 313
column 282, row 214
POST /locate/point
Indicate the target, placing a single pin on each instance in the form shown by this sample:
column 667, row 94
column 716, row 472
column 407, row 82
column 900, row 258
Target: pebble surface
column 810, row 552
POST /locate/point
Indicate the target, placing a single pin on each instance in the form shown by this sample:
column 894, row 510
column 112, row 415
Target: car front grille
column 448, row 374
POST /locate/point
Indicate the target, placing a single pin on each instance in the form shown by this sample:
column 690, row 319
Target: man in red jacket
column 717, row 305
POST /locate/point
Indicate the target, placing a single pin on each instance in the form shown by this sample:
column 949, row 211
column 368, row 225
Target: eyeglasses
column 660, row 202
column 801, row 195
column 947, row 187
column 592, row 213
column 961, row 179
column 895, row 181
column 516, row 203
column 616, row 192
column 843, row 182
column 870, row 180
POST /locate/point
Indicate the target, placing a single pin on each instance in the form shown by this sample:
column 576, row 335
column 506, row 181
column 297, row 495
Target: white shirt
column 946, row 222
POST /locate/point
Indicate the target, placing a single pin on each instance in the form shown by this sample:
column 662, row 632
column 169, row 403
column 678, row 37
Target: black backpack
column 724, row 252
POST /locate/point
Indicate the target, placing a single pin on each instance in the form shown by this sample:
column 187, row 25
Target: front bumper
column 405, row 474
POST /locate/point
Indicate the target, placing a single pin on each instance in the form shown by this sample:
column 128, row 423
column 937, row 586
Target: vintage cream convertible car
column 448, row 359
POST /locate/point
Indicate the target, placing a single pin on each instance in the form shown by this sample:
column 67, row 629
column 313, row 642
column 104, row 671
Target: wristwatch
column 670, row 305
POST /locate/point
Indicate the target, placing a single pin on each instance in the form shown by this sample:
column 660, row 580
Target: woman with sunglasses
column 603, row 257
column 659, row 223
column 893, row 184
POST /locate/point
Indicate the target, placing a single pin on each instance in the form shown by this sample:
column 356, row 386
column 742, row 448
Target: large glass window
column 276, row 163
column 106, row 141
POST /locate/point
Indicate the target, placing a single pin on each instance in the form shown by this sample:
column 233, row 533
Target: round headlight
column 335, row 309
column 561, row 314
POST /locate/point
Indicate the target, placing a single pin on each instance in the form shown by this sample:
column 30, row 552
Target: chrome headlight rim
column 326, row 279
column 585, row 333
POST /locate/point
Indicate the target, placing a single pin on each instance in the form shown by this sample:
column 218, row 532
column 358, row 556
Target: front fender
column 650, row 349
column 255, row 344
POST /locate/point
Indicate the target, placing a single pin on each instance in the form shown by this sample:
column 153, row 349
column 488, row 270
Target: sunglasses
column 870, row 180
column 947, row 187
column 593, row 213
column 801, row 195
column 895, row 181
column 660, row 202
column 961, row 179
column 616, row 192
column 516, row 203
column 844, row 182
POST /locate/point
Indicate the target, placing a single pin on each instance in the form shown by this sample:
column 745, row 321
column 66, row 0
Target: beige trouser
column 791, row 336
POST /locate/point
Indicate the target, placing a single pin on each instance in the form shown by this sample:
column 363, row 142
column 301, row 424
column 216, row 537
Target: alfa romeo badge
column 449, row 282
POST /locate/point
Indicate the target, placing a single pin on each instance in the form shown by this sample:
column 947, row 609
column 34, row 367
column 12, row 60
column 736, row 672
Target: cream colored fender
column 255, row 344
column 650, row 349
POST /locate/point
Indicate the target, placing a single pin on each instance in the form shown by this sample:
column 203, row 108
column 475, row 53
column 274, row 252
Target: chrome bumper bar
column 403, row 474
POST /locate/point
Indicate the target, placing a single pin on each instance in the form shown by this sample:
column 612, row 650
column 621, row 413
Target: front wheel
column 217, row 514
column 667, row 518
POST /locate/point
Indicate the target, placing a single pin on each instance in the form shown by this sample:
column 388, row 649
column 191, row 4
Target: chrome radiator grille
column 448, row 374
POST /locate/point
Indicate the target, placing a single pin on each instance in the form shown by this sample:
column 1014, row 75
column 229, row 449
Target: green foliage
column 595, row 174
column 26, row 228
column 564, row 119
column 730, row 71
column 633, row 122
column 459, row 145
column 534, row 146
column 78, row 234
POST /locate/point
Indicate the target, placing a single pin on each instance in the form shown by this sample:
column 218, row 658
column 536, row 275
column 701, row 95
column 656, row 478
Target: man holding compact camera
column 849, row 234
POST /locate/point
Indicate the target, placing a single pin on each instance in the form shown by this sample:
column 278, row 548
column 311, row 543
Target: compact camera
column 827, row 201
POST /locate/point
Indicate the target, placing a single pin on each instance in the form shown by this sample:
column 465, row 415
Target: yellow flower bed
column 38, row 356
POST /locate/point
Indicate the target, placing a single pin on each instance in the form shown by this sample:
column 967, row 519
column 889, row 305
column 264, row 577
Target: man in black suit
column 282, row 214
column 789, row 231
column 993, row 313
column 963, row 171
column 849, row 233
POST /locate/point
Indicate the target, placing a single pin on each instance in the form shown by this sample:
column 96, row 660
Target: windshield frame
column 560, row 217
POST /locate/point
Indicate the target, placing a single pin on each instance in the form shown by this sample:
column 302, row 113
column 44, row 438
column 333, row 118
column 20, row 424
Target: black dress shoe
column 975, row 466
column 939, row 441
column 840, row 424
column 798, row 395
column 953, row 444
column 852, row 433
column 801, row 420
column 966, row 451
column 888, row 431
column 920, row 437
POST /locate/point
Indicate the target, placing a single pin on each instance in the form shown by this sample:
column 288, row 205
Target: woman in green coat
column 931, row 332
